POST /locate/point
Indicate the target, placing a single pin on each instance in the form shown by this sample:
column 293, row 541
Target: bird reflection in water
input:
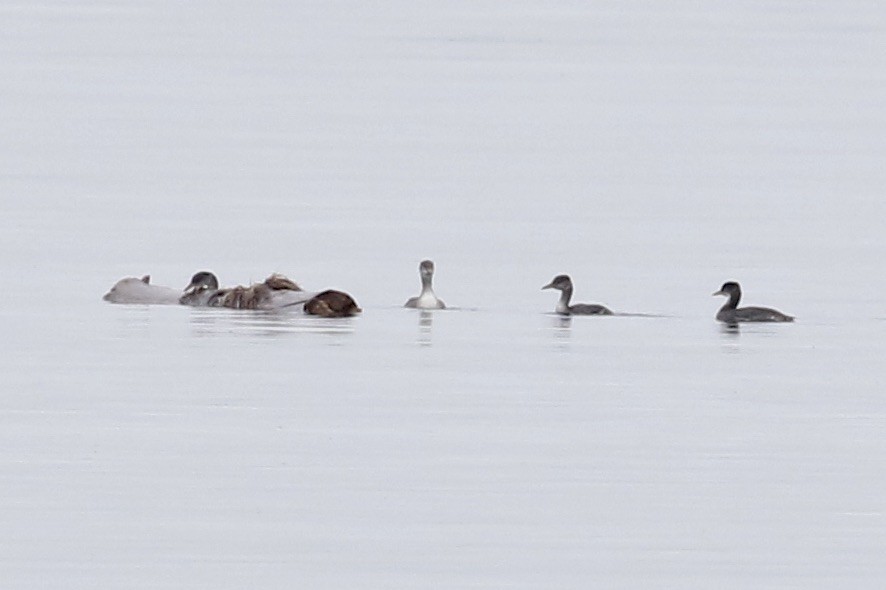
column 730, row 329
column 425, row 323
column 216, row 322
column 730, row 333
column 561, row 328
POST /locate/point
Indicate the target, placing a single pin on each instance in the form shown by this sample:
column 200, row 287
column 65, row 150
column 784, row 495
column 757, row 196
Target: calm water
column 650, row 151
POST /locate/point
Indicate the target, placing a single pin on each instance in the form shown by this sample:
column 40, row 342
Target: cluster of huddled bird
column 279, row 292
column 275, row 292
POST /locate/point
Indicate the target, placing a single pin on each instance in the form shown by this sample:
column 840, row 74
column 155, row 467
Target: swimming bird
column 202, row 288
column 135, row 290
column 275, row 292
column 730, row 313
column 332, row 304
column 427, row 299
column 564, row 284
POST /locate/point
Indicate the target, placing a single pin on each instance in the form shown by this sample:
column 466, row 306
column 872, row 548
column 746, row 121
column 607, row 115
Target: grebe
column 427, row 299
column 564, row 284
column 730, row 313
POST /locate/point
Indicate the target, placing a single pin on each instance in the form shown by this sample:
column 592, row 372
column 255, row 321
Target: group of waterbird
column 275, row 292
column 278, row 292
column 730, row 313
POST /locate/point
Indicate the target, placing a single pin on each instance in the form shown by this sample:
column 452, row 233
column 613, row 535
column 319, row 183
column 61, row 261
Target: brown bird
column 275, row 292
column 332, row 304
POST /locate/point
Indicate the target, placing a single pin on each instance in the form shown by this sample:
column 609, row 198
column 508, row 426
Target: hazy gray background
column 652, row 150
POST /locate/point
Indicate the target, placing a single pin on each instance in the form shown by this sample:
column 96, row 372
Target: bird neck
column 426, row 287
column 734, row 298
column 563, row 304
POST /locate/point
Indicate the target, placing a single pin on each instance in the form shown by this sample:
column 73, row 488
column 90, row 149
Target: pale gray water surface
column 650, row 150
